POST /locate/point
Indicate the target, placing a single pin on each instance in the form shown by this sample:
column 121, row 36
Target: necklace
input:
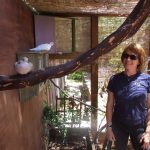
column 131, row 77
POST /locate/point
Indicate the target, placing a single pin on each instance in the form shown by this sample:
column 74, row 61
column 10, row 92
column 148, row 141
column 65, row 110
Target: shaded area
column 76, row 139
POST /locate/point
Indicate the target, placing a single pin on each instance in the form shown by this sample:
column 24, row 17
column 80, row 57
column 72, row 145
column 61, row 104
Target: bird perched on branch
column 43, row 47
column 23, row 66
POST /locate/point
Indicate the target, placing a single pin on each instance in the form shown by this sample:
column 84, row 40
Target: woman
column 127, row 110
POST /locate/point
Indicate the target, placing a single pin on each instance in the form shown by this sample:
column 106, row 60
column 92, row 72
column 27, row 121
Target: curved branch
column 125, row 31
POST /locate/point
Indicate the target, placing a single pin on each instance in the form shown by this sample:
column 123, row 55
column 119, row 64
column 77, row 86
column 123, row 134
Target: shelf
column 64, row 55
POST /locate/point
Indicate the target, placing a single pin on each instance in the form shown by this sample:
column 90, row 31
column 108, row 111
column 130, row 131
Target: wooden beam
column 67, row 14
column 64, row 55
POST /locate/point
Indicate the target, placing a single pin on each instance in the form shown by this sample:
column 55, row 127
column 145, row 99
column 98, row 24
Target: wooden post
column 73, row 35
column 94, row 74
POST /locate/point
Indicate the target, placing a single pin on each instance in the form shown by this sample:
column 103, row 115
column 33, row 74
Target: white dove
column 43, row 47
column 23, row 66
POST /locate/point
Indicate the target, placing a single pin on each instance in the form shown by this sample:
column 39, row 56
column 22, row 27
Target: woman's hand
column 145, row 140
column 110, row 135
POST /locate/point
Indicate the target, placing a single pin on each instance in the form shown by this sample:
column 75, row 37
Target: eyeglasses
column 132, row 57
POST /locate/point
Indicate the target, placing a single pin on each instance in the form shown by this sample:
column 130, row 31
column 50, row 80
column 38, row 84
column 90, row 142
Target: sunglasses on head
column 132, row 57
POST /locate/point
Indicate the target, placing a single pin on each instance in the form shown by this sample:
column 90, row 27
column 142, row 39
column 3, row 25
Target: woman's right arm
column 109, row 112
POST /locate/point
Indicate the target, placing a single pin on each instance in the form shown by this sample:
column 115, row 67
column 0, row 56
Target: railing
column 75, row 108
column 70, row 110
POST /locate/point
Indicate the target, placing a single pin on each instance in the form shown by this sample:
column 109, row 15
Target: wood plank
column 64, row 55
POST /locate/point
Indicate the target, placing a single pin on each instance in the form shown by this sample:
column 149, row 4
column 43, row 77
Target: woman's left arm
column 145, row 139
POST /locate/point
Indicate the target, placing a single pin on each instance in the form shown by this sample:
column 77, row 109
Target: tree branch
column 125, row 31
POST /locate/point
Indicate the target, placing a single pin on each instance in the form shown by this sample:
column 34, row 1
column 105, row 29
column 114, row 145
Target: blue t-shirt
column 130, row 95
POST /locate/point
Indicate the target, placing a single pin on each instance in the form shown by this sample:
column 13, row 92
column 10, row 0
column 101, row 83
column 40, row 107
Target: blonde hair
column 139, row 51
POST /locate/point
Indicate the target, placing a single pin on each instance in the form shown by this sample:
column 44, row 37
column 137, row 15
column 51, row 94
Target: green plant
column 53, row 123
column 77, row 76
column 50, row 116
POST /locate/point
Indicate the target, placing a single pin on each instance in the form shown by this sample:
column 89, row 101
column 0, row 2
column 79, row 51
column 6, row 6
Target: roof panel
column 100, row 7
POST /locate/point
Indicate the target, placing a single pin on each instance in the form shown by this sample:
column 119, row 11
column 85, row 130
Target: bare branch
column 125, row 31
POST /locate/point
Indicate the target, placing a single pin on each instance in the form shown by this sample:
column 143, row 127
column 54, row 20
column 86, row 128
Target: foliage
column 50, row 116
column 108, row 25
column 115, row 61
column 77, row 76
column 64, row 93
column 54, row 128
column 85, row 92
